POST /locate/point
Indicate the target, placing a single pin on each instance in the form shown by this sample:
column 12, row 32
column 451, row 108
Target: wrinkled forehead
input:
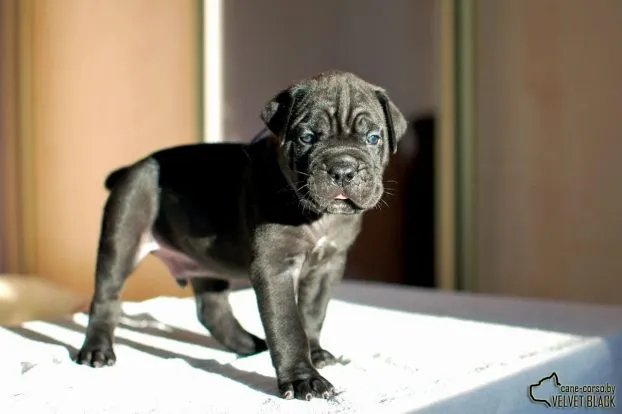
column 343, row 108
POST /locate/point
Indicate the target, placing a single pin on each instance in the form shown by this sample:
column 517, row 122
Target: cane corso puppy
column 282, row 211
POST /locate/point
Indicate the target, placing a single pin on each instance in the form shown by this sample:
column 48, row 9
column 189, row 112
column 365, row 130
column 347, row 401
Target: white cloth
column 428, row 352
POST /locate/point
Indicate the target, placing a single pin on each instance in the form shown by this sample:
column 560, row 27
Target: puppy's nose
column 342, row 173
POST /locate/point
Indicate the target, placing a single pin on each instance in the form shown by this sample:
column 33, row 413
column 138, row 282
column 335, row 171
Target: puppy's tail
column 114, row 176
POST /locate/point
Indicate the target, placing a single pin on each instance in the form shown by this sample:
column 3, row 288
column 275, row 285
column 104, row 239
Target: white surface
column 439, row 353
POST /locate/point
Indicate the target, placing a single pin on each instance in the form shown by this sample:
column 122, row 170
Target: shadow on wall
column 396, row 244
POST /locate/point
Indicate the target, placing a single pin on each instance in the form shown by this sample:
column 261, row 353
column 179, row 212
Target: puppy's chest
column 312, row 255
column 315, row 247
column 322, row 250
column 317, row 256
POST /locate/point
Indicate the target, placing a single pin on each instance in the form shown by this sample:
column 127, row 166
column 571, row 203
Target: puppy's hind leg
column 215, row 314
column 129, row 213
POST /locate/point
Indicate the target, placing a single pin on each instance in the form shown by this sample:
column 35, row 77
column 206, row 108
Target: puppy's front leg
column 314, row 294
column 285, row 334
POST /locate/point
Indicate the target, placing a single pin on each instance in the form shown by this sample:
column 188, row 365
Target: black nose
column 342, row 173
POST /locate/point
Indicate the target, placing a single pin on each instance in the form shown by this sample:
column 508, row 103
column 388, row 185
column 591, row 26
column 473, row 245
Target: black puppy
column 282, row 211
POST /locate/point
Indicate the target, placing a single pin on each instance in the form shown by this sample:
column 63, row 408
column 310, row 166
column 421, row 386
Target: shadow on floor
column 254, row 380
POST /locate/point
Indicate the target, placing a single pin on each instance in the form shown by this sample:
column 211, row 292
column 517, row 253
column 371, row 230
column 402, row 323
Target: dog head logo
column 542, row 391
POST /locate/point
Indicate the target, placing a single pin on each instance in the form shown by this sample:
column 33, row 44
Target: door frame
column 456, row 148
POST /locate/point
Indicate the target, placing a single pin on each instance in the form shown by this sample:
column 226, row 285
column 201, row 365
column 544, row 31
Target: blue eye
column 308, row 138
column 373, row 139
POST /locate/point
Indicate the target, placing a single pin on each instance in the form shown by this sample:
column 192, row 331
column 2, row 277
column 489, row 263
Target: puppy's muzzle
column 342, row 170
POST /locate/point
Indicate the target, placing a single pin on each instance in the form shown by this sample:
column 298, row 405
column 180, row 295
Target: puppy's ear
column 396, row 123
column 276, row 114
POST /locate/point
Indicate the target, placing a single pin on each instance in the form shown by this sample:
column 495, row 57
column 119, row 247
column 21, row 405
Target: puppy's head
column 335, row 135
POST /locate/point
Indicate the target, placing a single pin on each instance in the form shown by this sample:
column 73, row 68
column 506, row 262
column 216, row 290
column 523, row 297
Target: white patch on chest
column 147, row 245
column 295, row 267
column 317, row 254
column 323, row 243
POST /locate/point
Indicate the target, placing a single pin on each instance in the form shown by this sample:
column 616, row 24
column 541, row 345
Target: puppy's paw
column 247, row 344
column 306, row 386
column 321, row 358
column 96, row 356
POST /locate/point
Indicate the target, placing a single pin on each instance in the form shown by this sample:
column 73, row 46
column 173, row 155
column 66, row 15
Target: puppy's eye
column 373, row 139
column 308, row 138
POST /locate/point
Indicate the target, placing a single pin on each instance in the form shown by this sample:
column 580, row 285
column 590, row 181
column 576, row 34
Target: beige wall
column 550, row 104
column 110, row 81
column 107, row 82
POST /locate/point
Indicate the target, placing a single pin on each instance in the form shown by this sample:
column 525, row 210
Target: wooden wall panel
column 550, row 175
column 9, row 182
column 110, row 82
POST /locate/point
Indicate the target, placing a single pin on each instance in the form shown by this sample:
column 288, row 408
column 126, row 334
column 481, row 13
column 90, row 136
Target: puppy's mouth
column 323, row 195
column 342, row 203
column 339, row 203
column 343, row 206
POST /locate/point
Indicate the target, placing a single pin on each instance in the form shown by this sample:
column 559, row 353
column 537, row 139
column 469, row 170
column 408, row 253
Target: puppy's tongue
column 341, row 196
